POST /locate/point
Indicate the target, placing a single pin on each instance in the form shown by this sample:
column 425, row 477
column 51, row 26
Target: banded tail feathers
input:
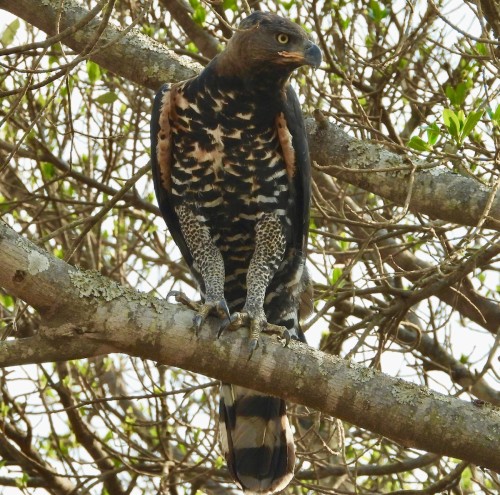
column 256, row 439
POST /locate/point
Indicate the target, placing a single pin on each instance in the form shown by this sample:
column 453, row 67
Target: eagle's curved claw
column 253, row 344
column 222, row 307
column 217, row 308
column 287, row 336
column 233, row 322
column 203, row 310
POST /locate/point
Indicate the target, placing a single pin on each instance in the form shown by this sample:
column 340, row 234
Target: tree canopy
column 104, row 389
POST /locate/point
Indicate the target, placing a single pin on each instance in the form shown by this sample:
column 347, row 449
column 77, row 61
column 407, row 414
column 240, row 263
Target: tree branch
column 80, row 427
column 26, row 455
column 40, row 152
column 133, row 55
column 88, row 315
column 373, row 168
column 491, row 10
column 461, row 297
column 369, row 166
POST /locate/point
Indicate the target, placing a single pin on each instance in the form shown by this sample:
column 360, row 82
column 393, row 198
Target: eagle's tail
column 256, row 439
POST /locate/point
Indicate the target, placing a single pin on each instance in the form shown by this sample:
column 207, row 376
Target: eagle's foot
column 209, row 307
column 203, row 310
column 257, row 323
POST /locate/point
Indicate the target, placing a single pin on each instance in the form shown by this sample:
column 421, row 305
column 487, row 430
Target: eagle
column 231, row 172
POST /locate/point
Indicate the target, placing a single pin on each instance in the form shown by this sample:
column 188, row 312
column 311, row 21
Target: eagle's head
column 267, row 43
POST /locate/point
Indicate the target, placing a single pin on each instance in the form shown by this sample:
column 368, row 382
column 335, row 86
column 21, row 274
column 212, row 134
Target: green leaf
column 472, row 119
column 452, row 123
column 4, row 208
column 481, row 49
column 417, row 143
column 192, row 47
column 336, row 274
column 344, row 22
column 94, row 71
column 10, row 32
column 287, row 5
column 7, row 301
column 461, row 93
column 22, row 482
column 403, row 63
column 376, row 11
column 199, row 15
column 344, row 245
column 148, row 30
column 446, row 116
column 219, row 463
column 230, row 5
column 433, row 132
column 496, row 115
column 450, row 93
column 48, row 170
column 108, row 97
column 457, row 95
column 466, row 480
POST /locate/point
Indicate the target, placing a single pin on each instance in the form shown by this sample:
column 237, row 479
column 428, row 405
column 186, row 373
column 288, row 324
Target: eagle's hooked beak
column 309, row 55
column 312, row 54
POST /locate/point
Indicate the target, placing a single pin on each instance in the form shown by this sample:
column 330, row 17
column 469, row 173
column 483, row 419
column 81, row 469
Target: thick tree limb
column 491, row 11
column 86, row 315
column 435, row 192
column 133, row 55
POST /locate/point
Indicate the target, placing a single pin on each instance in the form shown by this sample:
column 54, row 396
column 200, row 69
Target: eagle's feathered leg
column 208, row 262
column 270, row 245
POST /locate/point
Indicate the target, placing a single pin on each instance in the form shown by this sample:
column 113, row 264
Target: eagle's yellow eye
column 282, row 38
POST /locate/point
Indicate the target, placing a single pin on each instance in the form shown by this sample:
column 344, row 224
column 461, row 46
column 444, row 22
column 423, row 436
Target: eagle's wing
column 295, row 150
column 161, row 163
column 300, row 170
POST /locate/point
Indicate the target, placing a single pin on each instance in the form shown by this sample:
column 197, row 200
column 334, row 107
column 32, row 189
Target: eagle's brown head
column 267, row 43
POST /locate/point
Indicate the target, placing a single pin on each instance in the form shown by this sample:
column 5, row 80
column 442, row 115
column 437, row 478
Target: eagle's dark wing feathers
column 302, row 178
column 162, row 190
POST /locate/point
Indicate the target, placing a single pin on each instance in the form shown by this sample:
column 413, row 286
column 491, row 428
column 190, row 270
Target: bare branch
column 206, row 43
column 132, row 55
column 461, row 297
